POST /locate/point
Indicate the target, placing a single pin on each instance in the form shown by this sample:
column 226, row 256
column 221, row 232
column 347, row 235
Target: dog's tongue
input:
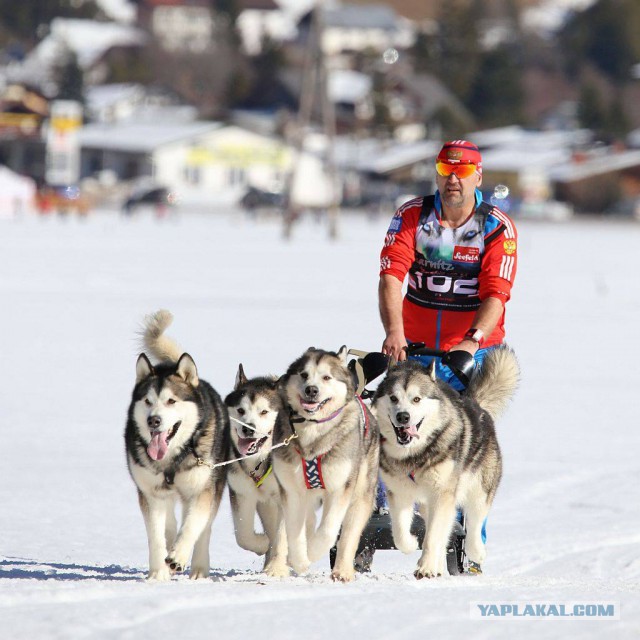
column 244, row 444
column 310, row 406
column 158, row 446
column 412, row 430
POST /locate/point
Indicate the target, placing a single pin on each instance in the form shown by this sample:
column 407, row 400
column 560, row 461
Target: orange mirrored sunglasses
column 445, row 169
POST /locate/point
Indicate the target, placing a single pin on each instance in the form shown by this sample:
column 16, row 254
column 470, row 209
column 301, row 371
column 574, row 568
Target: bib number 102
column 446, row 284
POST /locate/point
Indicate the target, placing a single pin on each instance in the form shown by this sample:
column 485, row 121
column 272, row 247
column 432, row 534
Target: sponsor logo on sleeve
column 509, row 247
column 466, row 254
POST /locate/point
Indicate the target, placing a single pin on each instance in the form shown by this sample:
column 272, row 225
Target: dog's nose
column 403, row 417
column 154, row 422
column 247, row 431
column 311, row 391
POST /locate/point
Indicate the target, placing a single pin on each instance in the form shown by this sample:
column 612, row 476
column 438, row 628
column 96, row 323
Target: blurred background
column 288, row 108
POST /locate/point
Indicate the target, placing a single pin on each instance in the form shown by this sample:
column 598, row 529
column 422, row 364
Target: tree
column 457, row 51
column 23, row 19
column 606, row 35
column 496, row 95
column 69, row 78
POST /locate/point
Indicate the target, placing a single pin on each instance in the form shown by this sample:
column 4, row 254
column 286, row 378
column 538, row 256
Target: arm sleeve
column 499, row 264
column 398, row 252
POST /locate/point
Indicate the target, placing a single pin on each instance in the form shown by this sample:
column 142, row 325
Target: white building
column 201, row 162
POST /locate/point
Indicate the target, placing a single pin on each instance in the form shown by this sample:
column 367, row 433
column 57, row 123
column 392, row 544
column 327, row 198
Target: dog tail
column 154, row 342
column 496, row 382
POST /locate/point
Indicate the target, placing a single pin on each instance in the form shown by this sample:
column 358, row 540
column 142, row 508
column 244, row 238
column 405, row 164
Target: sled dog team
column 305, row 441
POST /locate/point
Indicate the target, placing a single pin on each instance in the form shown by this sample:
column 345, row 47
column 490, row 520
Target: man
column 460, row 255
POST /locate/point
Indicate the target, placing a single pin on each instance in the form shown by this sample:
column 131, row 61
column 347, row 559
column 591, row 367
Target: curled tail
column 494, row 385
column 154, row 342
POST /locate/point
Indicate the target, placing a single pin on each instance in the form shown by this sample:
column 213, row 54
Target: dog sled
column 367, row 367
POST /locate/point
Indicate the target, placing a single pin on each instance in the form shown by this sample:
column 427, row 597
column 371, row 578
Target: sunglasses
column 445, row 169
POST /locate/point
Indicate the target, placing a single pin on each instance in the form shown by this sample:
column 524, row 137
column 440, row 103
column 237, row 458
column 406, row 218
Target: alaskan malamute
column 334, row 458
column 176, row 432
column 254, row 404
column 439, row 450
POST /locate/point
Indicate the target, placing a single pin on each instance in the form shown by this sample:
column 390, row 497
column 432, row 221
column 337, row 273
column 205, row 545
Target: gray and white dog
column 253, row 406
column 439, row 450
column 333, row 460
column 176, row 432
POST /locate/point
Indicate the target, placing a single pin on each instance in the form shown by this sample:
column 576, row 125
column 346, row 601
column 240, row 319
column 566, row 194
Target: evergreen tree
column 23, row 18
column 606, row 35
column 496, row 95
column 70, row 78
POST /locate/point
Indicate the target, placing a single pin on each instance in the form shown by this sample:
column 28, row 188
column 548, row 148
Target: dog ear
column 241, row 378
column 432, row 370
column 187, row 370
column 143, row 368
column 342, row 353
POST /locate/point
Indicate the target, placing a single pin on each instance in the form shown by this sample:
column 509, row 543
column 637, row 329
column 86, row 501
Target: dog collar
column 259, row 479
column 297, row 418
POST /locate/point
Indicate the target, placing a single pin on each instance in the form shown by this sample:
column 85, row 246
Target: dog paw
column 406, row 544
column 426, row 571
column 159, row 575
column 277, row 570
column 198, row 573
column 261, row 544
column 343, row 575
column 174, row 565
column 299, row 565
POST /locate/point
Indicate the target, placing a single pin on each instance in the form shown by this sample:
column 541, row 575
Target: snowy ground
column 565, row 524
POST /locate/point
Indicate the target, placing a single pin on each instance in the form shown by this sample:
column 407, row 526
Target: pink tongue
column 244, row 444
column 158, row 446
column 413, row 431
column 310, row 406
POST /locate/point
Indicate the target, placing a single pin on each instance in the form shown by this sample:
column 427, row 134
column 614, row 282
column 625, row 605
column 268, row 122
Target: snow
column 564, row 527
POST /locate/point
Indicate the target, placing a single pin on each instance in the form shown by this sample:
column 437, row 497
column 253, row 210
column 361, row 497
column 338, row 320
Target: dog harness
column 257, row 478
column 312, row 469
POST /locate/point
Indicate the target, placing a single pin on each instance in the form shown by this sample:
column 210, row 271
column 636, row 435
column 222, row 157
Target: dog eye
column 264, row 412
column 326, row 378
column 416, row 400
column 304, row 375
column 171, row 401
column 393, row 399
column 241, row 411
column 147, row 402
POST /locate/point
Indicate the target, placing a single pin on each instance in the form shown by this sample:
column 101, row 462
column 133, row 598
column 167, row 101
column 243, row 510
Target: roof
column 598, row 165
column 260, row 5
column 361, row 17
column 347, row 86
column 135, row 137
column 375, row 156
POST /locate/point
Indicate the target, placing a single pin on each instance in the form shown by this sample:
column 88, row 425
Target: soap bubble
column 390, row 56
column 501, row 191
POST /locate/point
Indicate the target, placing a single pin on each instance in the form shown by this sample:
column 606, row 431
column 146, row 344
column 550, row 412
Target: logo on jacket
column 509, row 247
column 466, row 254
